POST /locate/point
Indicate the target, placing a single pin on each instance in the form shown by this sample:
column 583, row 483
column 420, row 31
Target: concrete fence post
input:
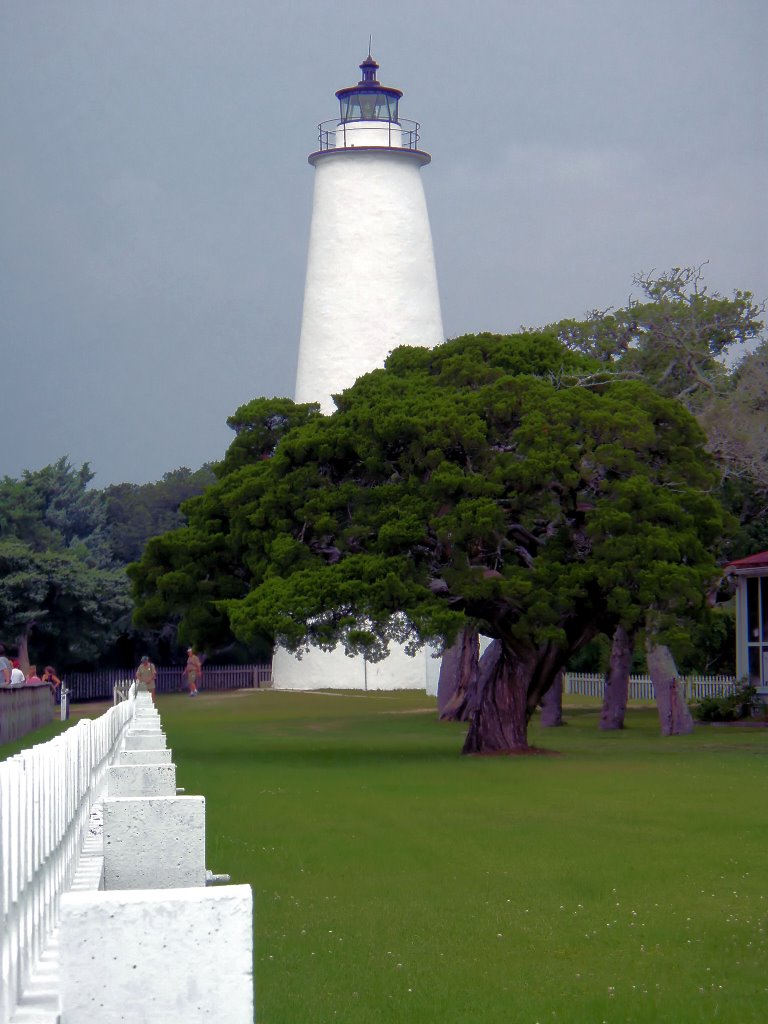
column 155, row 842
column 181, row 955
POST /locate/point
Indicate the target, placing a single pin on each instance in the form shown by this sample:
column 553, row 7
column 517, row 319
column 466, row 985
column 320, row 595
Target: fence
column 100, row 684
column 592, row 684
column 24, row 708
column 46, row 795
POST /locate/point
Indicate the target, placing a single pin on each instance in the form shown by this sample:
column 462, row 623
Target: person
column 33, row 677
column 5, row 668
column 193, row 671
column 146, row 676
column 49, row 676
column 17, row 676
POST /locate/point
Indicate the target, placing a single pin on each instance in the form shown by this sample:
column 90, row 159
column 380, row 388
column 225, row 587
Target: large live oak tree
column 495, row 482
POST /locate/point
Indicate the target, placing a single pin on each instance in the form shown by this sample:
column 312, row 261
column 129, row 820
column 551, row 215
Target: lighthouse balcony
column 335, row 134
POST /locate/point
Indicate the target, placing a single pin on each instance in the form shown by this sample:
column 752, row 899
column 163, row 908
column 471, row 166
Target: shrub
column 728, row 707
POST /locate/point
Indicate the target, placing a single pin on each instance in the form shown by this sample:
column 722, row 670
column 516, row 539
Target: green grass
column 622, row 880
column 395, row 881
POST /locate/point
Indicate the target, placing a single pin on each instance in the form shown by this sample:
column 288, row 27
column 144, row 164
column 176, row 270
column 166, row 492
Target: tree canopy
column 673, row 337
column 709, row 352
column 185, row 573
column 59, row 583
column 136, row 512
column 502, row 481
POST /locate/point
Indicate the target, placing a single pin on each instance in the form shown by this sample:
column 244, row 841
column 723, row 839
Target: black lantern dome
column 369, row 100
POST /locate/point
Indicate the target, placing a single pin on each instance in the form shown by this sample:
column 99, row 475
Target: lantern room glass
column 368, row 105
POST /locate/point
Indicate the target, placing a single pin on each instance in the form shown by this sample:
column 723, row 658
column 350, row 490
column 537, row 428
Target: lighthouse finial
column 369, row 67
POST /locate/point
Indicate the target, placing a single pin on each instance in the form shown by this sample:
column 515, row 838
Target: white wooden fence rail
column 46, row 794
column 592, row 684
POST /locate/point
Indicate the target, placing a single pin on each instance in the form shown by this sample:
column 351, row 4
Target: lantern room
column 368, row 100
column 751, row 577
column 369, row 117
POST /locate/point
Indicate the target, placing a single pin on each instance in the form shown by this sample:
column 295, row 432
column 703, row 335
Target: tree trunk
column 497, row 705
column 617, row 681
column 552, row 704
column 674, row 717
column 458, row 676
column 22, row 643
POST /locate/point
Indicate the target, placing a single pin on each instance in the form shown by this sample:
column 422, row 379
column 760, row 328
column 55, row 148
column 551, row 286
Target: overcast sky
column 155, row 194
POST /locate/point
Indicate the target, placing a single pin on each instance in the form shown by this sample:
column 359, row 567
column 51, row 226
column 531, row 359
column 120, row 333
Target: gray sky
column 155, row 195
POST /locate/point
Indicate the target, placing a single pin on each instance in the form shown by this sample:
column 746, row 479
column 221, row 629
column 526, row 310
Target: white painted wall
column 371, row 283
column 351, row 134
column 334, row 670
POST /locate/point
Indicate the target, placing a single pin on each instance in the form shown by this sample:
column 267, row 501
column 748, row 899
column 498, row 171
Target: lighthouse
column 371, row 285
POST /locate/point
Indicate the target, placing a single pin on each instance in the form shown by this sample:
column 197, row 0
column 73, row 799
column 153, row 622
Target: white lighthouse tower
column 371, row 283
column 371, row 286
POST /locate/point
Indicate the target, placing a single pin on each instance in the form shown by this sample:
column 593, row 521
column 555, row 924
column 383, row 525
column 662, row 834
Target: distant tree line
column 64, row 547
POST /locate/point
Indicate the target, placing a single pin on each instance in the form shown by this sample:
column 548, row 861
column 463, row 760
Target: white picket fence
column 46, row 794
column 592, row 684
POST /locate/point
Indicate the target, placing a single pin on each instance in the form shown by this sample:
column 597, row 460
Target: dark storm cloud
column 156, row 197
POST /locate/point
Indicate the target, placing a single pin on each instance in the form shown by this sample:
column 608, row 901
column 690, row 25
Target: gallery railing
column 335, row 134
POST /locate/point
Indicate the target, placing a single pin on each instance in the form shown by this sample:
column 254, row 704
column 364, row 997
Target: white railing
column 46, row 794
column 592, row 684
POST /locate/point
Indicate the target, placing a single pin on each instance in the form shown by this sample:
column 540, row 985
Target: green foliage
column 673, row 336
column 727, row 708
column 709, row 646
column 136, row 512
column 60, row 589
column 259, row 425
column 520, row 500
column 71, row 611
column 51, row 509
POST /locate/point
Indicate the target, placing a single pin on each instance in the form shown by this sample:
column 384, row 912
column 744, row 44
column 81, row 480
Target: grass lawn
column 622, row 880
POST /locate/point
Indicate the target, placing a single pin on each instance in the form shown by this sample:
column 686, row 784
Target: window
column 368, row 106
column 757, row 630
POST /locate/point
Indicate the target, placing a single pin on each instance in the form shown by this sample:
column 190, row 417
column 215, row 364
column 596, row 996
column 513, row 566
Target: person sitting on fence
column 5, row 668
column 49, row 676
column 146, row 675
column 193, row 671
column 17, row 676
column 32, row 676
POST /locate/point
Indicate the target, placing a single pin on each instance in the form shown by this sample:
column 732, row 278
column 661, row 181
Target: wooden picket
column 100, row 684
column 592, row 684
